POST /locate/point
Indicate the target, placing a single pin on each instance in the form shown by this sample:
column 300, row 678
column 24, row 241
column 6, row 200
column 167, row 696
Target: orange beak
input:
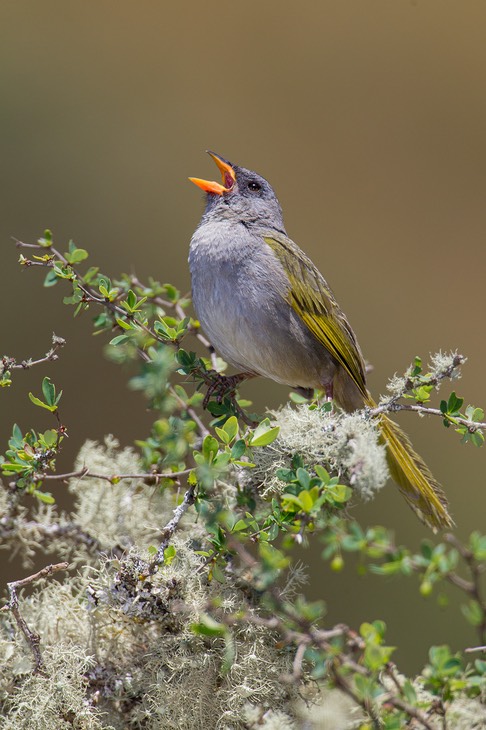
column 227, row 173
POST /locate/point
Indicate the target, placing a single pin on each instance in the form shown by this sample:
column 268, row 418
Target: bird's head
column 242, row 194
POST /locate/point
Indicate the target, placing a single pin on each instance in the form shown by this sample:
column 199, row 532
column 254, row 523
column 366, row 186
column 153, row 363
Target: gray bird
column 268, row 311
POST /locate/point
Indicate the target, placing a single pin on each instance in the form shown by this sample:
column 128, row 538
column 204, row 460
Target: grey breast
column 240, row 297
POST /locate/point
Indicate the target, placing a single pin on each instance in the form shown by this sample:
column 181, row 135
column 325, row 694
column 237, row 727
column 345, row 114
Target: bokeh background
column 369, row 120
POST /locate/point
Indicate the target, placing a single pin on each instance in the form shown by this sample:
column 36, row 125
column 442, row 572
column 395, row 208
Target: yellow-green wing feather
column 314, row 302
column 312, row 299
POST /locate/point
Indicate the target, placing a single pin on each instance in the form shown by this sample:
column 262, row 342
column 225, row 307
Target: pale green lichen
column 328, row 709
column 446, row 362
column 55, row 701
column 257, row 718
column 396, row 386
column 117, row 645
column 120, row 653
column 125, row 514
column 346, row 444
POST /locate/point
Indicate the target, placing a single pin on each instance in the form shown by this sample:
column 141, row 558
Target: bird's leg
column 329, row 391
column 224, row 385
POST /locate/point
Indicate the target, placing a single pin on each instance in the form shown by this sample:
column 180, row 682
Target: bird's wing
column 314, row 302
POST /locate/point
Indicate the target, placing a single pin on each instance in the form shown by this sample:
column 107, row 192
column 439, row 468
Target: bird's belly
column 259, row 332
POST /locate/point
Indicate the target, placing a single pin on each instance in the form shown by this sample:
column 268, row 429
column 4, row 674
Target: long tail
column 415, row 481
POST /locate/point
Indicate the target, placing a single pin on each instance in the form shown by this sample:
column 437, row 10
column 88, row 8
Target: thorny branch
column 447, row 372
column 90, row 295
column 472, row 588
column 32, row 638
column 306, row 635
column 10, row 363
column 393, row 404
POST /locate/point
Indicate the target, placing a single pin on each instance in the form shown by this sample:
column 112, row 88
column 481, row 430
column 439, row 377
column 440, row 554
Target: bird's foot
column 223, row 386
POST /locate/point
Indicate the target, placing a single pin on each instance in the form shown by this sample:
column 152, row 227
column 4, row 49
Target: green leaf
column 51, row 278
column 169, row 554
column 303, row 477
column 322, row 473
column 222, row 435
column 273, row 531
column 48, row 391
column 426, row 549
column 131, row 299
column 210, row 448
column 274, row 558
column 17, row 438
column 376, row 656
column 422, row 393
column 306, row 500
column 207, row 626
column 473, row 613
column 477, row 438
column 231, row 428
column 285, row 475
column 477, row 414
column 264, row 434
column 78, row 255
column 187, row 360
column 238, row 449
column 239, row 526
column 480, row 665
column 119, row 340
column 476, row 541
column 171, row 292
column 41, row 404
column 46, row 240
column 292, row 499
column 340, row 493
column 124, row 324
column 454, row 403
column 367, row 630
column 50, row 438
column 44, row 497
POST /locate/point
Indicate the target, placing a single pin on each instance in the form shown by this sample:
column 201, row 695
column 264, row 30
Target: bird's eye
column 254, row 186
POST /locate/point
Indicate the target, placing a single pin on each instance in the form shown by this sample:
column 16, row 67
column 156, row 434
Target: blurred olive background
column 369, row 120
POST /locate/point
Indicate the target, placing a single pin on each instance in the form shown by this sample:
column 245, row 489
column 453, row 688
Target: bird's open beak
column 227, row 173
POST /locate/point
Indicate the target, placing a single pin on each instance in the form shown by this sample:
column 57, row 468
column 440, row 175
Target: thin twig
column 475, row 589
column 114, row 478
column 10, row 363
column 394, row 407
column 171, row 526
column 472, row 649
column 91, row 296
column 32, row 638
column 401, row 704
column 165, row 304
